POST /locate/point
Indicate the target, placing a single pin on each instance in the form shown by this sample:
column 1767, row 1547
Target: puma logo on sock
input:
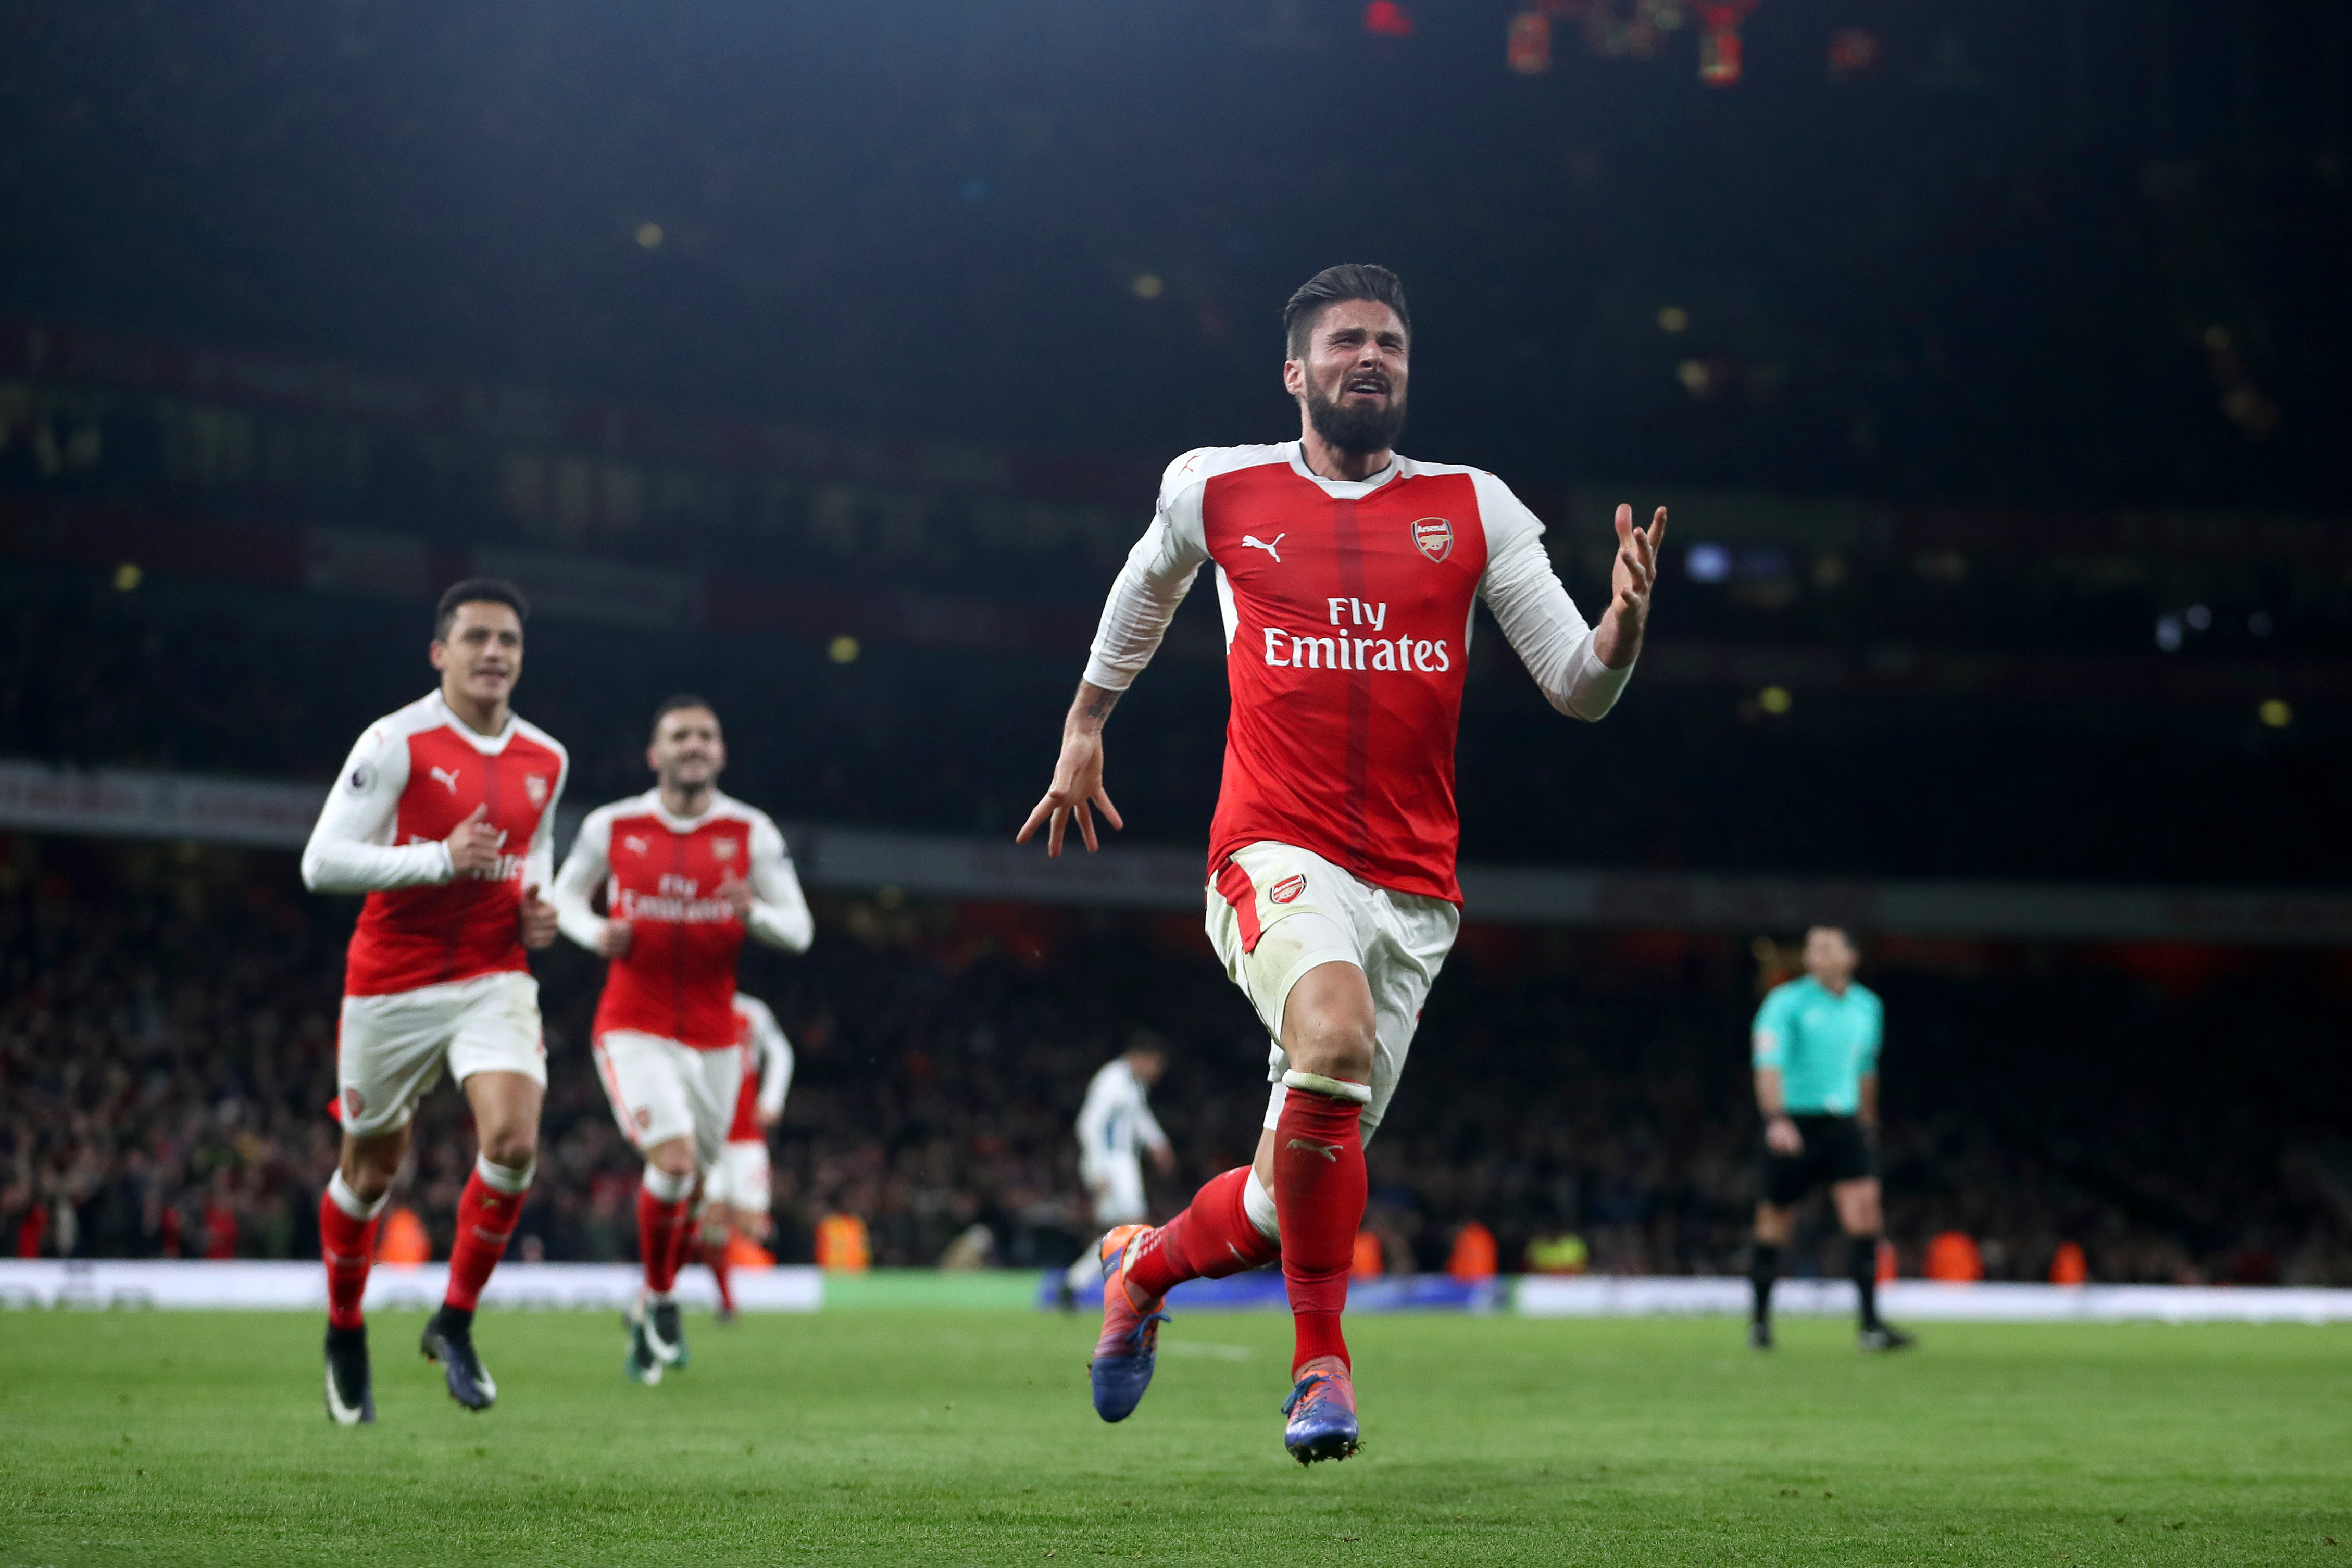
column 1329, row 1151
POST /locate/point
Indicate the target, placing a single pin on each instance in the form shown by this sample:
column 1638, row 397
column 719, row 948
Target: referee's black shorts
column 1837, row 1148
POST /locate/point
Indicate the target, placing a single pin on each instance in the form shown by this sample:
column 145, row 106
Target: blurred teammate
column 444, row 817
column 1816, row 1060
column 1114, row 1125
column 1347, row 576
column 688, row 873
column 735, row 1195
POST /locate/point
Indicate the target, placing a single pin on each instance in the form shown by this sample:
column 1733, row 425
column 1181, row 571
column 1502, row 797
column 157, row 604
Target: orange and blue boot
column 1322, row 1411
column 1130, row 1346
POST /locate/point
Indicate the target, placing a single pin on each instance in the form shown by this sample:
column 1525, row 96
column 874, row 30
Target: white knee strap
column 1258, row 1204
column 1337, row 1088
column 666, row 1187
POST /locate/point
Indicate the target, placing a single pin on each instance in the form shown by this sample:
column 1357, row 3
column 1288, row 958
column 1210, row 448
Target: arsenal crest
column 1287, row 890
column 535, row 786
column 1434, row 537
column 724, row 848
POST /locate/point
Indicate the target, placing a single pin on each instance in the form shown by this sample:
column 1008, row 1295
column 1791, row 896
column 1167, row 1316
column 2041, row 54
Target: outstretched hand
column 1631, row 577
column 1076, row 791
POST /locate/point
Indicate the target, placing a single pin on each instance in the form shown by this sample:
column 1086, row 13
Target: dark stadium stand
column 166, row 1057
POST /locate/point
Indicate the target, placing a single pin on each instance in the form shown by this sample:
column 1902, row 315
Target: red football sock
column 486, row 1223
column 1209, row 1240
column 661, row 1230
column 347, row 1246
column 715, row 1254
column 1319, row 1191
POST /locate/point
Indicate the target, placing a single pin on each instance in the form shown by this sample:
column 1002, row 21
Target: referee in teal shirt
column 1816, row 1058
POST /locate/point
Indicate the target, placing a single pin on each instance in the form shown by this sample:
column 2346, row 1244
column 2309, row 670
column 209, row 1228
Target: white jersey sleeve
column 584, row 870
column 780, row 913
column 1553, row 640
column 771, row 1050
column 351, row 848
column 539, row 861
column 1158, row 573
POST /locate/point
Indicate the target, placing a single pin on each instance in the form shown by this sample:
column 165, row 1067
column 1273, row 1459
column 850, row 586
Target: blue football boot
column 1130, row 1346
column 1322, row 1411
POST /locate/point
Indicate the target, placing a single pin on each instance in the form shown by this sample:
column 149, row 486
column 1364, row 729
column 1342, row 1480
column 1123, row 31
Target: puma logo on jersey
column 1329, row 1151
column 1251, row 541
column 633, row 843
column 448, row 776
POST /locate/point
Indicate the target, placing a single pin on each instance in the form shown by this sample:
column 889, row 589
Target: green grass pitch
column 964, row 1437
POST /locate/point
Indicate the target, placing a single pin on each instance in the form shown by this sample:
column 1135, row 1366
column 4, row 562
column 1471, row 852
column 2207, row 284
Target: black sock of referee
column 1863, row 1261
column 1763, row 1268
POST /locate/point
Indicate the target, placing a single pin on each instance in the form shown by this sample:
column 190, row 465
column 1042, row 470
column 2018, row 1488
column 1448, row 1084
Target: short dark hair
column 678, row 704
column 476, row 590
column 1349, row 280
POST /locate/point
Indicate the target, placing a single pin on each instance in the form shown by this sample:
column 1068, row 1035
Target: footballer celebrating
column 1347, row 575
column 444, row 817
column 688, row 873
column 1815, row 1053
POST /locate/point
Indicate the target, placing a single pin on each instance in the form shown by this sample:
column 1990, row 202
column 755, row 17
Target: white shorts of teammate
column 1310, row 912
column 390, row 1050
column 661, row 1090
column 1117, row 1187
column 740, row 1178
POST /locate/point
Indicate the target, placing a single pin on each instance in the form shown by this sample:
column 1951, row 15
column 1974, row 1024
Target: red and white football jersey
column 408, row 783
column 767, row 1070
column 1348, row 614
column 661, row 876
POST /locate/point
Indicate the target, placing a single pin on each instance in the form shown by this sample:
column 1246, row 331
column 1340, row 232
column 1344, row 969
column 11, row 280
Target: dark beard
column 1357, row 431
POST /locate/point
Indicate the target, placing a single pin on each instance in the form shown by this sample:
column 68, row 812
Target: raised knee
column 514, row 1150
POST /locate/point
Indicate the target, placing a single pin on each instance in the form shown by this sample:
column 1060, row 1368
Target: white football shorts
column 1116, row 1188
column 662, row 1090
column 390, row 1050
column 739, row 1180
column 1309, row 912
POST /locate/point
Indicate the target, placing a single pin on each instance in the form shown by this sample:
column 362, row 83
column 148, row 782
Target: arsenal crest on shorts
column 1287, row 890
column 1434, row 536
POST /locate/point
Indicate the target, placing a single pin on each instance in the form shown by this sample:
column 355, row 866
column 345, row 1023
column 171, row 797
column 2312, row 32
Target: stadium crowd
column 166, row 1043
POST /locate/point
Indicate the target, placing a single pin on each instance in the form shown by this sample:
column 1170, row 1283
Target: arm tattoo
column 1097, row 706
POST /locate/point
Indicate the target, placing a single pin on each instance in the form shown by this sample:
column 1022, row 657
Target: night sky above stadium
column 2087, row 252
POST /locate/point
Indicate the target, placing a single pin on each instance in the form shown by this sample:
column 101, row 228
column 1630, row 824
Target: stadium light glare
column 1148, row 286
column 842, row 650
column 1673, row 319
column 2277, row 713
column 1707, row 563
column 2199, row 618
column 2168, row 633
column 126, row 577
column 1775, row 700
column 650, row 235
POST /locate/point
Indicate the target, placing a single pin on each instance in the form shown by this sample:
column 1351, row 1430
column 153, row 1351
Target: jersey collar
column 488, row 744
column 676, row 824
column 1399, row 466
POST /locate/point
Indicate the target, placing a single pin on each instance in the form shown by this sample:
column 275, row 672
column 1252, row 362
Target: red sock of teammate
column 1211, row 1239
column 1319, row 1191
column 714, row 1252
column 662, row 1227
column 487, row 1212
column 347, row 1227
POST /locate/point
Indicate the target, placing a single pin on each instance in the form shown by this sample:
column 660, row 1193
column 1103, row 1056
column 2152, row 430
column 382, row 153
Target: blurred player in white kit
column 736, row 1192
column 1114, row 1125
